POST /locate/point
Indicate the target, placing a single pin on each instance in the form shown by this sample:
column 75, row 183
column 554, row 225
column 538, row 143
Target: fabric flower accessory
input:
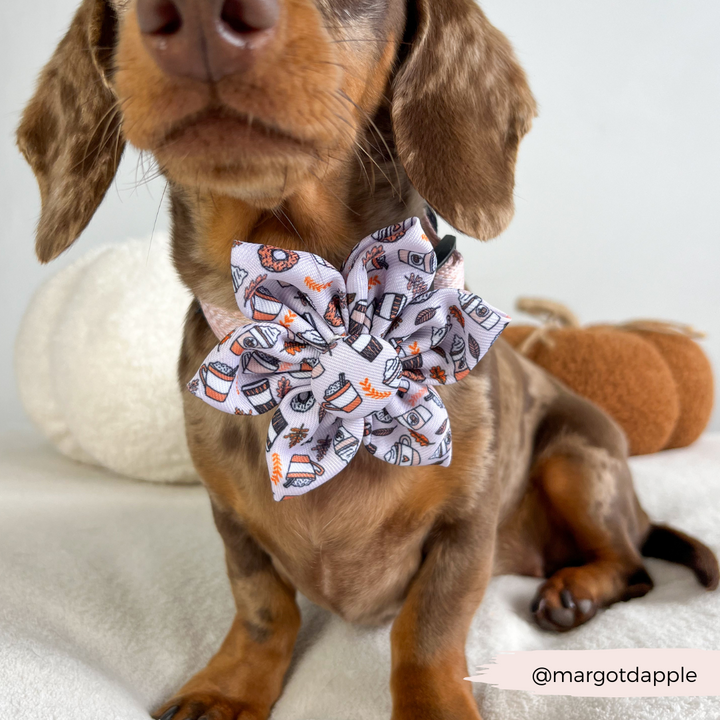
column 344, row 357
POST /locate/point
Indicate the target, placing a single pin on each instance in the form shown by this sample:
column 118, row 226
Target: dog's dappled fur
column 356, row 115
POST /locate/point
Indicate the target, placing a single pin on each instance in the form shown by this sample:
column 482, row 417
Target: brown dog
column 309, row 124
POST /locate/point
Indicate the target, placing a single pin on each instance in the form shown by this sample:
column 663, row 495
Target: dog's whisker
column 157, row 216
column 380, row 135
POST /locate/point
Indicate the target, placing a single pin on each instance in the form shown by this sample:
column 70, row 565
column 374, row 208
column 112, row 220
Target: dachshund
column 309, row 124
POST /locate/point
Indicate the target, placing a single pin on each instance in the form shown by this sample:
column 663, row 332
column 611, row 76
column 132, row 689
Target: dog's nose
column 206, row 39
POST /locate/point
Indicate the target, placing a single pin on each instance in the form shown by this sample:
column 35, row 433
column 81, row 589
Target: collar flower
column 346, row 357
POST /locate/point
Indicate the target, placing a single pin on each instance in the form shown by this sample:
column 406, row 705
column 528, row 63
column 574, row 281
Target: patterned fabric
column 222, row 322
column 349, row 356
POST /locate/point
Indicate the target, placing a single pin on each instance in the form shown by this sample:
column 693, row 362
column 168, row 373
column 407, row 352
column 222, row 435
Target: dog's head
column 257, row 100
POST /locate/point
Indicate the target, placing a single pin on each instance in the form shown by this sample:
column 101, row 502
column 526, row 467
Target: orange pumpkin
column 651, row 377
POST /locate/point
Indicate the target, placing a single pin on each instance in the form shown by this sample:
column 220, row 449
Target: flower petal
column 305, row 451
column 298, row 290
column 413, row 431
column 386, row 271
column 451, row 335
column 252, row 369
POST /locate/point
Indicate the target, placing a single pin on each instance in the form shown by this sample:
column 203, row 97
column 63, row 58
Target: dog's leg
column 429, row 635
column 244, row 678
column 593, row 509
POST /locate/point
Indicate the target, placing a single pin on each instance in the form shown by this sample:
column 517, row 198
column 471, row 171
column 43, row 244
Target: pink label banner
column 606, row 673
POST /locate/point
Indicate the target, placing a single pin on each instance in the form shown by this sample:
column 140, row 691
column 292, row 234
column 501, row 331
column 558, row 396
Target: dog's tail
column 667, row 543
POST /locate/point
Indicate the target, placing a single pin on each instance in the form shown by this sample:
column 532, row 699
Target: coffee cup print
column 426, row 262
column 256, row 337
column 414, row 362
column 383, row 416
column 309, row 368
column 416, row 418
column 345, row 444
column 403, row 454
column 393, row 233
column 391, row 306
column 365, row 345
column 278, row 425
column 303, row 472
column 311, row 336
column 439, row 334
column 265, row 307
column 217, row 379
column 478, row 311
column 357, row 316
column 260, row 396
column 258, row 363
column 443, row 449
column 393, row 373
column 342, row 396
column 457, row 353
column 238, row 277
column 369, row 315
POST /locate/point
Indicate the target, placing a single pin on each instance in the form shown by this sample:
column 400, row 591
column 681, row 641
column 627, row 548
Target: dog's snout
column 206, row 40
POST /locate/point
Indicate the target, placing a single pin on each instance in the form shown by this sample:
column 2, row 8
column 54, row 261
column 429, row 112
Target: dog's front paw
column 208, row 706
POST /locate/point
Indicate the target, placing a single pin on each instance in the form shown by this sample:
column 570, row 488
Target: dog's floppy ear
column 461, row 104
column 70, row 130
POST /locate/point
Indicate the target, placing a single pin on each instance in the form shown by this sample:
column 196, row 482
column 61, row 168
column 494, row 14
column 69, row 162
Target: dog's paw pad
column 559, row 609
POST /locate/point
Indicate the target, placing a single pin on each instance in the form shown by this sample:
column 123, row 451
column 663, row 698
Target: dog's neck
column 328, row 217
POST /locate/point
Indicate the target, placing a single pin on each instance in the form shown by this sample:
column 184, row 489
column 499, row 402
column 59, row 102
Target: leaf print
column 276, row 476
column 416, row 284
column 474, row 347
column 297, row 435
column 437, row 373
column 322, row 448
column 457, row 314
column 421, row 440
column 317, row 287
column 371, row 392
column 283, row 387
column 425, row 315
column 289, row 318
column 292, row 347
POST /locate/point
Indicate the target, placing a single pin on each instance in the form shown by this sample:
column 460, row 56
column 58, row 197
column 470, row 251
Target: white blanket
column 114, row 592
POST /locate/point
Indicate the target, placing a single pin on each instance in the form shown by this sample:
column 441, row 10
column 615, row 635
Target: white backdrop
column 618, row 183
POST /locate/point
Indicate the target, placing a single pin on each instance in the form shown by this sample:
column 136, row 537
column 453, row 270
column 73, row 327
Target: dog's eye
column 251, row 343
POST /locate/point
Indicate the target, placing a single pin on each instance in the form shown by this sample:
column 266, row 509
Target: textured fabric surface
column 96, row 361
column 621, row 372
column 114, row 592
column 349, row 356
column 223, row 322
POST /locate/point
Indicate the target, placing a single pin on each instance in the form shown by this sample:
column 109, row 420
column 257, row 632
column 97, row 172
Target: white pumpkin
column 96, row 361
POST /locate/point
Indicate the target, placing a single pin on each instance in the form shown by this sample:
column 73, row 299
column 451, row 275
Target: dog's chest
column 350, row 546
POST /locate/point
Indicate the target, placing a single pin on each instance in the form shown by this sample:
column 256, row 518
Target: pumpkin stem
column 666, row 327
